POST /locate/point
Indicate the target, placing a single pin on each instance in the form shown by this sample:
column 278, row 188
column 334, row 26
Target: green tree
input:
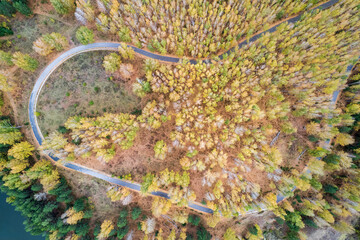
column 202, row 234
column 63, row 6
column 84, row 35
column 22, row 7
column 24, row 61
column 194, row 219
column 135, row 213
column 5, row 31
column 82, row 228
column 6, row 8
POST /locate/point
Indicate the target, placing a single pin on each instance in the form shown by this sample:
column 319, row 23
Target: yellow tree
column 230, row 234
column 106, row 227
column 213, row 220
column 160, row 206
column 21, row 150
column 41, row 47
column 344, row 139
column 112, row 62
column 71, row 216
column 54, row 141
column 63, row 6
column 160, row 149
column 4, row 85
column 6, row 58
column 316, row 166
column 126, row 52
column 24, row 61
column 18, row 165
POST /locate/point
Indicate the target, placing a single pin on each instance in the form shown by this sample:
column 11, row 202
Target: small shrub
column 63, row 130
column 135, row 213
column 280, row 14
column 194, row 220
column 91, row 103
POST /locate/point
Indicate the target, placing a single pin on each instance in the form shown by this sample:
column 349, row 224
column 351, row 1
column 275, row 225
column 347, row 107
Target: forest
column 234, row 120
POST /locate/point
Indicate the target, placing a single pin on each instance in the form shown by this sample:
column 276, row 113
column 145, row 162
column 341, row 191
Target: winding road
column 100, row 46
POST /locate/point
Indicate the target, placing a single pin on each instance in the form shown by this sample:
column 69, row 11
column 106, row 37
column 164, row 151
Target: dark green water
column 11, row 223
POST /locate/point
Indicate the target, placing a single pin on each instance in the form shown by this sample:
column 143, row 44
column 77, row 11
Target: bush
column 328, row 188
column 63, row 130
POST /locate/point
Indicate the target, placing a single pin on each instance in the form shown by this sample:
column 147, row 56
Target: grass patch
column 84, row 82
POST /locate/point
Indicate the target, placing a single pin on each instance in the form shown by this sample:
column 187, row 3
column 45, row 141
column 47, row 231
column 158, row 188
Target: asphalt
column 111, row 46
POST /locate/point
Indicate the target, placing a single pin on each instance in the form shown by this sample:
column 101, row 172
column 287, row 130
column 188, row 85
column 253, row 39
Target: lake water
column 11, row 223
